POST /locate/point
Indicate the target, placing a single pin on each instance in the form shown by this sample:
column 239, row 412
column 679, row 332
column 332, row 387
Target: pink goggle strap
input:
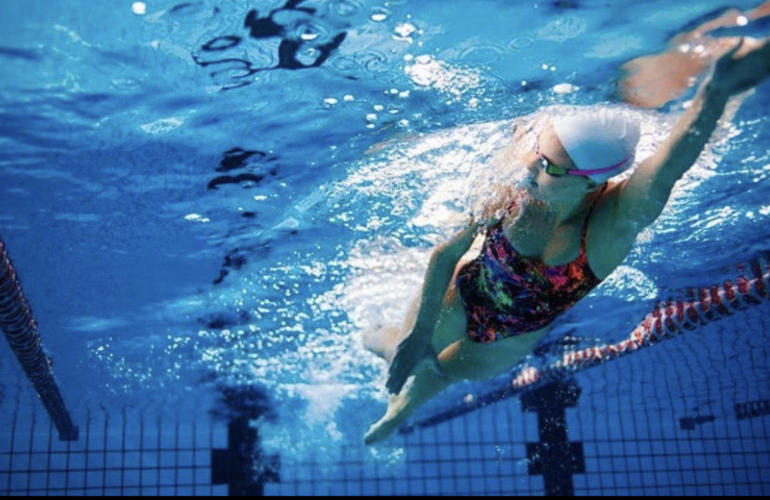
column 600, row 170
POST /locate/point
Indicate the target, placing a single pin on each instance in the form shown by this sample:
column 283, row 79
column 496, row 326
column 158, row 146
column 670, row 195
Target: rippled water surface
column 210, row 193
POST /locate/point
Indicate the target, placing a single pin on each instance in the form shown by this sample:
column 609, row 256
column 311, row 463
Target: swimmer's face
column 544, row 186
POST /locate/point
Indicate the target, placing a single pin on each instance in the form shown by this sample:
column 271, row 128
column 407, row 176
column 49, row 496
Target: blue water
column 191, row 203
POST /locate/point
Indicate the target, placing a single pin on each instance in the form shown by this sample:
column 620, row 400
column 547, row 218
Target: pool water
column 207, row 194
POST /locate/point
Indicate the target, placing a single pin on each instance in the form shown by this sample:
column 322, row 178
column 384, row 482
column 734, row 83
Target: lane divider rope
column 20, row 328
column 668, row 320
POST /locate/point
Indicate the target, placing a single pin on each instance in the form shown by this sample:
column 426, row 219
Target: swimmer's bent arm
column 644, row 195
column 418, row 345
column 440, row 271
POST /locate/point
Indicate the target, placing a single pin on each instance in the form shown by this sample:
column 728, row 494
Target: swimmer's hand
column 743, row 67
column 417, row 348
column 411, row 353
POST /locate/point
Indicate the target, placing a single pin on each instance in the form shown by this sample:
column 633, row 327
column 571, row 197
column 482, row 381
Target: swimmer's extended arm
column 418, row 346
column 643, row 196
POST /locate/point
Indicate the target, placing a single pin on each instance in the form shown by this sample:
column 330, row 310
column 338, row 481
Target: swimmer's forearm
column 440, row 272
column 691, row 133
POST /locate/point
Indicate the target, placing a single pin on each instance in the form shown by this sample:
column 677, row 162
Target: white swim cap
column 602, row 140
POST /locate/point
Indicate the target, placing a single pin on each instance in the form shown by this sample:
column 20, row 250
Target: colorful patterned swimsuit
column 506, row 294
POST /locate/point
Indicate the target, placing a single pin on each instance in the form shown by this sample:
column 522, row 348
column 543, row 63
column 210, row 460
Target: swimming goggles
column 557, row 171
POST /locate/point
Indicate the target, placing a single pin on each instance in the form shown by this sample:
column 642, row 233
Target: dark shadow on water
column 28, row 55
column 246, row 180
column 238, row 158
column 292, row 53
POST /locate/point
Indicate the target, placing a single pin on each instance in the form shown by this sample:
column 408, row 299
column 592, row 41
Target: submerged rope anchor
column 20, row 328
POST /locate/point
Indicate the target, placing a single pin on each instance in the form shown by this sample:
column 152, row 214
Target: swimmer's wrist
column 713, row 88
column 713, row 92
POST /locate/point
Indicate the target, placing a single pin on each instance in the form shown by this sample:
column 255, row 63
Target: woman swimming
column 558, row 238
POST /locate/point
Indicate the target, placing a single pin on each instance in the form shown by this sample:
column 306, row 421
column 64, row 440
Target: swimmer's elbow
column 446, row 255
column 459, row 244
column 442, row 252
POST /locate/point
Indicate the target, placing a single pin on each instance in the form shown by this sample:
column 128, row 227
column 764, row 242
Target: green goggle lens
column 552, row 169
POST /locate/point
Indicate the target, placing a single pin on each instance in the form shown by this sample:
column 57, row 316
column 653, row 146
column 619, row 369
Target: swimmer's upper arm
column 454, row 249
column 643, row 196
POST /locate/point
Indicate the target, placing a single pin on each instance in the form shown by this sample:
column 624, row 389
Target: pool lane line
column 20, row 328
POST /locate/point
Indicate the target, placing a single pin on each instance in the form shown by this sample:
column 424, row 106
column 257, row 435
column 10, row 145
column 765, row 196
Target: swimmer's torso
column 523, row 277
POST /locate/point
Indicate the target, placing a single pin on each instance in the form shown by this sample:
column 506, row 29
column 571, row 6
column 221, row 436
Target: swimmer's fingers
column 404, row 364
column 734, row 50
column 396, row 378
column 402, row 367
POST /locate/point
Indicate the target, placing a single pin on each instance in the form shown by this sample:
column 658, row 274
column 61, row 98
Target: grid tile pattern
column 117, row 455
column 683, row 418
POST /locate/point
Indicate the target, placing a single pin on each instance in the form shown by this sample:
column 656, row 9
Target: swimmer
column 556, row 239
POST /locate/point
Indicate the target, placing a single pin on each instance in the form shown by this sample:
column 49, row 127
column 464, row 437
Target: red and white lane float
column 667, row 320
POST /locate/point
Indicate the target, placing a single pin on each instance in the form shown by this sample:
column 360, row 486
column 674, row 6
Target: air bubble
column 565, row 88
column 308, row 56
column 344, row 8
column 310, row 32
column 139, row 8
column 520, row 43
column 405, row 30
column 379, row 16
